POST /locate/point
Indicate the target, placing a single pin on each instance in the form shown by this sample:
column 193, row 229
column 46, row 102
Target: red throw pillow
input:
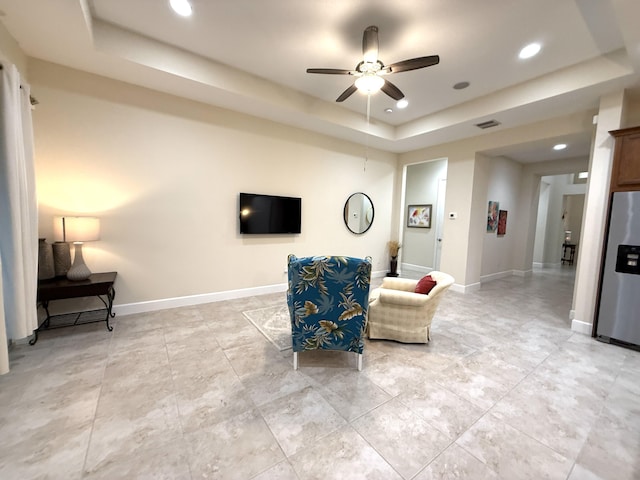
column 425, row 284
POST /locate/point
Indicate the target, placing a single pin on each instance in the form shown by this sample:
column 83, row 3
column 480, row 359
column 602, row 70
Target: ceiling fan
column 371, row 70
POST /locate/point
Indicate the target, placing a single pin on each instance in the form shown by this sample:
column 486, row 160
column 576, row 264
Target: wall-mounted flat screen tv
column 260, row 214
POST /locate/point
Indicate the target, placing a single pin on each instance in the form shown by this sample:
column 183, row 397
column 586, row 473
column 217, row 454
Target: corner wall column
column 610, row 116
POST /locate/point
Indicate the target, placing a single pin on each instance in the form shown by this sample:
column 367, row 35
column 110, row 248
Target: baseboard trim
column 496, row 276
column 416, row 268
column 474, row 287
column 188, row 301
column 548, row 265
column 507, row 273
column 581, row 327
column 165, row 303
column 523, row 273
column 379, row 274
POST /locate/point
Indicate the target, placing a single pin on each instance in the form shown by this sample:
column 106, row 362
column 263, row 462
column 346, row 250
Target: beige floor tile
column 210, row 398
column 455, row 463
column 281, row 471
column 342, row 455
column 473, row 386
column 404, row 439
column 45, row 449
column 512, row 454
column 264, row 387
column 441, row 408
column 240, row 447
column 169, row 462
column 300, row 420
column 349, row 392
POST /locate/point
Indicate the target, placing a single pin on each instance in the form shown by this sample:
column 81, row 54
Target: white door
column 439, row 219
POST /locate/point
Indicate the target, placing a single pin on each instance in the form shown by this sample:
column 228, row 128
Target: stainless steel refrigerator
column 618, row 318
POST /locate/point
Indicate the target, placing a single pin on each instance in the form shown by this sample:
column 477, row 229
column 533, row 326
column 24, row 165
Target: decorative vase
column 46, row 270
column 61, row 258
column 393, row 264
column 79, row 270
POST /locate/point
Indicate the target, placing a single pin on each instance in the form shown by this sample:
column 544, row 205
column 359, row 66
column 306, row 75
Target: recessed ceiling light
column 388, row 110
column 402, row 103
column 529, row 51
column 181, row 7
column 461, row 85
column 560, row 146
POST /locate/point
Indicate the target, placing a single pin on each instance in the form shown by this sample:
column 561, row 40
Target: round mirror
column 358, row 213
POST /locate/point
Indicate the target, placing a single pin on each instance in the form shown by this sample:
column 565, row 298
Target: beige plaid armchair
column 396, row 312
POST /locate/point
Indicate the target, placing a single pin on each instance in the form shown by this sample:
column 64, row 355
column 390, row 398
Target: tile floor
column 504, row 390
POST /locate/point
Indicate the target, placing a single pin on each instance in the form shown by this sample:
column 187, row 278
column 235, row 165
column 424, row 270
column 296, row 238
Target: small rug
column 274, row 323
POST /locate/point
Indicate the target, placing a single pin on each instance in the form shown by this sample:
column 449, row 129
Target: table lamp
column 61, row 250
column 79, row 230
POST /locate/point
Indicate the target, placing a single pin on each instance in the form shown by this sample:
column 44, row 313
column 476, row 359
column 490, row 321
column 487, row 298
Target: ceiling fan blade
column 347, row 93
column 370, row 44
column 329, row 71
column 391, row 90
column 413, row 64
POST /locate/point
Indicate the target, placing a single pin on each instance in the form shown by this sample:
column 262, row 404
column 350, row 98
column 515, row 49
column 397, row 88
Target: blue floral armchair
column 328, row 299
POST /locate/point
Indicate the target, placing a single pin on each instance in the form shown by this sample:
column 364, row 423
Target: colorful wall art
column 502, row 222
column 419, row 216
column 492, row 216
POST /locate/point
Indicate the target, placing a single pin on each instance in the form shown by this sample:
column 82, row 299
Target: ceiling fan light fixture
column 368, row 72
column 369, row 83
column 181, row 7
column 402, row 103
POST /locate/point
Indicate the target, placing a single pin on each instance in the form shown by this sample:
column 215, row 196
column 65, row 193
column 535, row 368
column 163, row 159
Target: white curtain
column 18, row 213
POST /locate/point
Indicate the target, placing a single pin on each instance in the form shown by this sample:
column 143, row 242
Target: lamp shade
column 76, row 229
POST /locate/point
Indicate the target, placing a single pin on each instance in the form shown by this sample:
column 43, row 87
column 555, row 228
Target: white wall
column 164, row 174
column 422, row 180
column 504, row 176
column 10, row 51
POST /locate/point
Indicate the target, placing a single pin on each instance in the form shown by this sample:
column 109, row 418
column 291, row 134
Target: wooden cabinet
column 625, row 175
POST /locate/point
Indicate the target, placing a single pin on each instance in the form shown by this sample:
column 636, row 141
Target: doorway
column 560, row 212
column 424, row 186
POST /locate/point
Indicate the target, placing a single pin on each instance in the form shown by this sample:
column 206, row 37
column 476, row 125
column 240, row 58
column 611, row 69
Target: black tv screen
column 269, row 214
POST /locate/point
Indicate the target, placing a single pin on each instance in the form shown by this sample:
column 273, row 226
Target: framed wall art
column 492, row 216
column 419, row 216
column 502, row 222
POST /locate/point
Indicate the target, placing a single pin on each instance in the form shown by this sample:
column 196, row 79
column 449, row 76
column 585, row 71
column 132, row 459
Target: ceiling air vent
column 488, row 124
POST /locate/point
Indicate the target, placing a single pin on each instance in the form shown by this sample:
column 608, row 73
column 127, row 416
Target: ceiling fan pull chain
column 366, row 143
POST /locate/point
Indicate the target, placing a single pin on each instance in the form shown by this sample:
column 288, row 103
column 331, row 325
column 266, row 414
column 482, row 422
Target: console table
column 98, row 285
column 568, row 253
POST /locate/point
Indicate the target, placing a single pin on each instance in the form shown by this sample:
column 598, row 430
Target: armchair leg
column 295, row 360
column 359, row 361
